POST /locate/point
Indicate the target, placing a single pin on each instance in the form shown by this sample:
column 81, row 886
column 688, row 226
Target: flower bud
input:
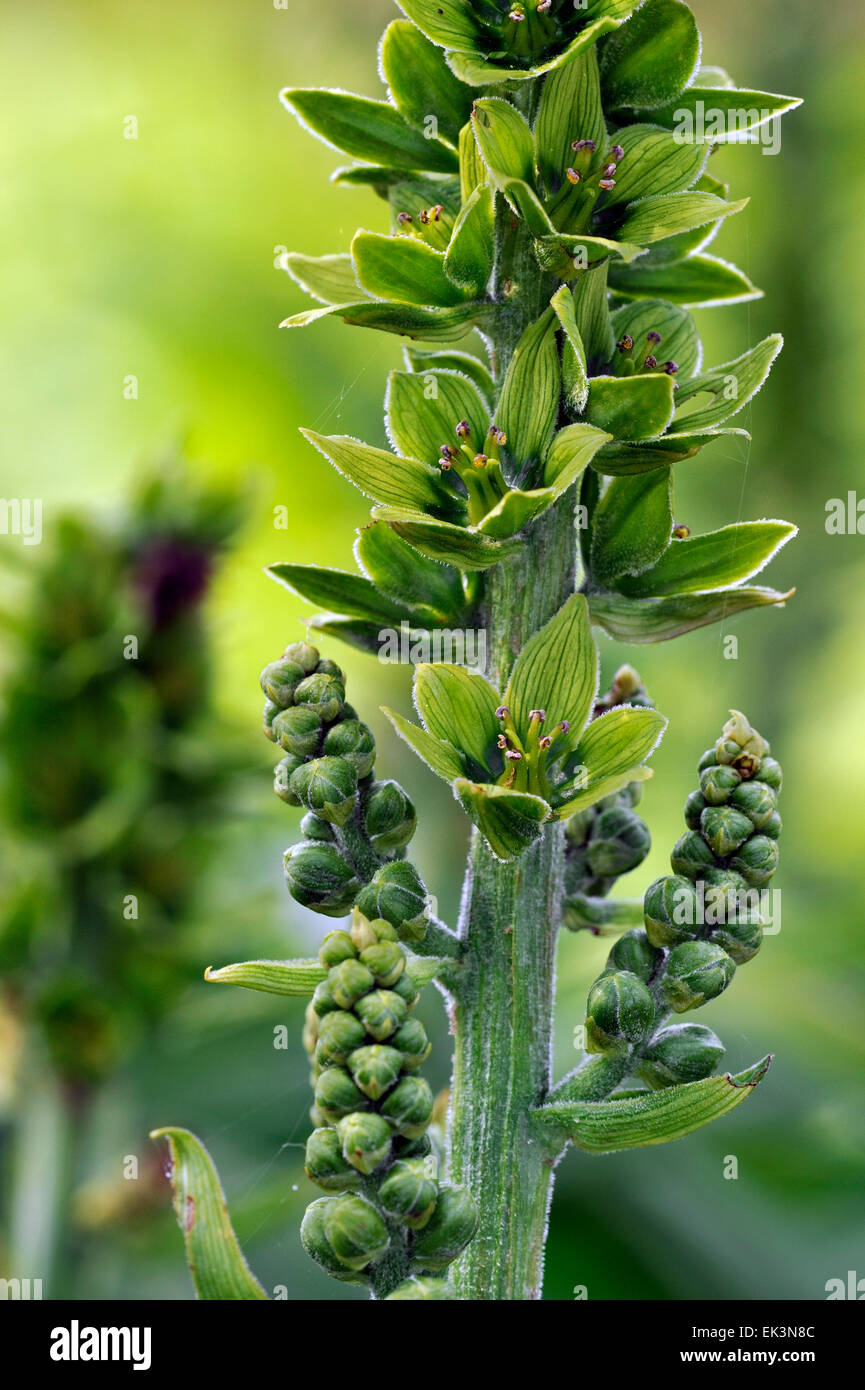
column 448, row 1231
column 619, row 1012
column 408, row 1194
column 355, row 1231
column 741, row 936
column 421, row 1289
column 691, row 856
column 633, row 952
column 316, row 1244
column 694, row 807
column 670, row 911
column 336, row 947
column 298, row 731
column 741, row 745
column 336, row 1094
column 724, row 829
column 757, row 860
column 365, row 1140
column 386, row 960
column 757, row 800
column 717, row 783
column 339, row 1033
column 305, row 656
column 618, row 842
column 323, row 1001
column 282, row 775
column 772, row 828
column 268, row 715
column 381, row 1013
column 366, row 933
column 409, row 1106
column 709, row 759
column 396, row 893
column 353, row 741
column 280, row 679
column 326, row 667
column 696, row 972
column 323, row 694
column 318, row 877
column 577, row 827
column 375, row 1069
column 407, row 990
column 681, row 1053
column 349, row 981
column 389, row 817
column 723, row 894
column 412, row 1043
column 324, row 1163
column 314, row 828
column 769, row 772
column 327, row 786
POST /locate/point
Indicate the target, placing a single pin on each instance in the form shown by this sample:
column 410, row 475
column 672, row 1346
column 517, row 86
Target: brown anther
column 573, row 176
column 539, row 714
column 437, row 212
column 681, row 532
column 501, row 741
column 502, row 712
column 423, row 216
column 653, row 337
column 617, row 153
column 513, row 756
column 545, row 742
column 480, row 460
column 650, row 363
column 607, row 184
column 404, row 219
column 671, row 368
column 625, row 343
column 565, row 726
column 464, row 429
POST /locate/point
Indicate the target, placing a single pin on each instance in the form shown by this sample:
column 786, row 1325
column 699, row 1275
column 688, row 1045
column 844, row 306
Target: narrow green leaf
column 720, row 115
column 631, row 407
column 659, row 619
column 529, row 405
column 570, row 256
column 461, row 362
column 619, row 457
column 455, row 545
column 328, row 278
column 410, row 321
column 449, row 23
column 593, row 317
column 573, row 448
column 573, row 797
column 679, row 343
column 439, row 756
column 655, row 218
column 361, row 633
column 699, row 564
column 375, row 176
column 656, row 1117
column 295, row 978
column 335, row 589
column 372, row 131
column 504, row 139
column 473, row 171
column 509, row 821
column 401, row 267
column 570, row 109
column 700, row 282
column 632, row 525
column 423, row 411
column 732, row 385
column 380, row 475
column 557, row 671
column 654, row 162
column 459, row 707
column 652, row 57
column 619, row 740
column 404, row 577
column 469, row 258
column 574, row 369
column 420, row 81
column 215, row 1259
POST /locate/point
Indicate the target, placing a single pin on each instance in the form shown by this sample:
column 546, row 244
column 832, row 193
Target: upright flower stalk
column 548, row 195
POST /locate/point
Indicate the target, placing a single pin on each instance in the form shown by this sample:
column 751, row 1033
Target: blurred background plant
column 169, row 275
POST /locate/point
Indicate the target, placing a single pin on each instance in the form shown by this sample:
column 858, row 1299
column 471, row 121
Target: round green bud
column 741, row 936
column 305, row 656
column 349, row 981
column 324, row 1163
column 353, row 741
column 769, row 772
column 389, row 817
column 375, row 1069
column 336, row 947
column 694, row 807
column 408, row 1194
column 280, row 679
column 618, row 842
column 407, row 990
column 724, row 829
column 323, row 694
column 381, row 1013
column 415, row 1148
column 314, row 828
column 327, row 786
column 397, row 894
column 327, row 667
column 316, row 1244
column 757, row 800
column 717, row 784
column 418, row 1289
column 724, row 892
column 696, row 972
column 282, row 775
column 709, row 759
column 634, row 952
column 318, row 877
column 412, row 1043
column 365, row 1140
column 298, row 731
column 339, row 1033
column 773, row 826
column 670, row 910
column 268, row 715
column 355, row 1231
column 448, row 1231
column 323, row 1001
column 386, row 960
column 619, row 1012
column 311, row 1020
column 757, row 860
column 409, row 1106
column 577, row 827
column 691, row 856
column 681, row 1053
column 336, row 1094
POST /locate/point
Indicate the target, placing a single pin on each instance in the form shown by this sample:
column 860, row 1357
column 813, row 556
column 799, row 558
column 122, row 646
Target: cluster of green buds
column 387, row 1219
column 700, row 922
column 356, row 828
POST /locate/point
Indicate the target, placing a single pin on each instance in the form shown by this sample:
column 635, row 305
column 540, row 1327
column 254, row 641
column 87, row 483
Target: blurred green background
column 154, row 258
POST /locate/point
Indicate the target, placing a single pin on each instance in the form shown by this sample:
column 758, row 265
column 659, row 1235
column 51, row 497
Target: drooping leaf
column 361, row 633
column 401, row 267
column 372, row 131
column 652, row 57
column 631, row 407
column 441, row 757
column 423, row 411
column 381, row 475
column 720, row 115
column 569, row 798
column 557, row 671
column 404, row 577
column 570, row 109
column 504, row 139
column 421, row 83
column 529, row 404
column 732, row 385
column 469, row 257
column 296, row 978
column 631, row 526
column 408, row 320
column 699, row 282
column 516, row 510
column 441, row 540
column 527, row 205
column 679, row 339
column 655, row 218
column 339, row 591
column 620, row 457
column 459, row 707
column 659, row 619
column 216, row 1262
column 509, row 821
column 699, row 564
column 328, row 278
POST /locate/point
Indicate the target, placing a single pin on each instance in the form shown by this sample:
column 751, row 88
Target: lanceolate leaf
column 361, row 633
column 571, row 451
column 469, row 258
column 296, row 978
column 557, row 671
column 619, row 740
column 461, row 362
column 698, row 282
column 440, row 756
column 659, row 619
column 570, row 256
column 529, row 404
column 455, row 545
column 401, row 267
column 421, row 83
column 720, row 115
column 509, row 821
column 337, row 590
column 652, row 57
column 632, row 407
column 215, row 1259
column 405, row 577
column 631, row 526
column 382, row 476
column 732, row 385
column 369, row 130
column 571, row 798
column 654, row 1118
column 654, row 218
column 504, row 138
column 328, row 278
column 574, row 366
column 408, row 320
column 620, row 457
column 702, row 563
column 458, row 707
column 423, row 412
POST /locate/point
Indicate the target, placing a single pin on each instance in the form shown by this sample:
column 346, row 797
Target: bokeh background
column 154, row 258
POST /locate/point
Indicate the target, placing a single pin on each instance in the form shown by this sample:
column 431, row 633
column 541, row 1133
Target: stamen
column 480, row 460
column 464, row 429
column 573, row 176
column 650, row 363
column 503, row 712
column 681, row 532
column 589, row 145
column 545, row 742
column 671, row 368
column 617, row 153
column 404, row 219
column 512, row 756
column 625, row 343
column 607, row 184
column 539, row 714
column 653, row 337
